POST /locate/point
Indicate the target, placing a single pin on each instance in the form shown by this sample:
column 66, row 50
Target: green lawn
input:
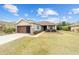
column 48, row 43
column 2, row 33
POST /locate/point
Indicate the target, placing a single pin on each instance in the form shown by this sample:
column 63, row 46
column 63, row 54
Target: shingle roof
column 38, row 23
column 46, row 23
column 31, row 22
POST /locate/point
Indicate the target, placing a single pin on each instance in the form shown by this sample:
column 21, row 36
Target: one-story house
column 75, row 28
column 29, row 26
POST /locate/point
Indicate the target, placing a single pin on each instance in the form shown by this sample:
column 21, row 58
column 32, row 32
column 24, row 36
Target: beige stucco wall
column 24, row 23
column 75, row 29
column 32, row 28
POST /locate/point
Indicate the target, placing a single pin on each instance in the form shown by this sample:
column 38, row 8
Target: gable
column 22, row 22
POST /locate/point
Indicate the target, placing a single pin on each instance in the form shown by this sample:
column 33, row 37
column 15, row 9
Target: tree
column 63, row 26
column 64, row 23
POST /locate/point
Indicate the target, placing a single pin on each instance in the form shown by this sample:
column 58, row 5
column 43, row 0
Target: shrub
column 65, row 28
column 13, row 29
column 36, row 32
column 9, row 30
column 59, row 27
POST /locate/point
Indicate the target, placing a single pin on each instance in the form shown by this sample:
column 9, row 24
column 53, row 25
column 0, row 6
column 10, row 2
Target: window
column 38, row 27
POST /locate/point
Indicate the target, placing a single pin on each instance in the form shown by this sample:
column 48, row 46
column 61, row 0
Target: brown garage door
column 23, row 29
column 27, row 29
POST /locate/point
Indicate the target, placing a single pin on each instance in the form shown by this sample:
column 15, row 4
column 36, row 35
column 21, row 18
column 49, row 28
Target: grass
column 2, row 33
column 62, row 42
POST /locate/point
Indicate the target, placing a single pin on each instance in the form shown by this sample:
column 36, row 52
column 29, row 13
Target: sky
column 40, row 12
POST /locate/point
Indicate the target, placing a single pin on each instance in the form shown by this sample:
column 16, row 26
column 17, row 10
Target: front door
column 44, row 28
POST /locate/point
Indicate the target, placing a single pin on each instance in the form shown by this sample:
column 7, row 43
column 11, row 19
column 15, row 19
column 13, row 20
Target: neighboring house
column 28, row 26
column 75, row 28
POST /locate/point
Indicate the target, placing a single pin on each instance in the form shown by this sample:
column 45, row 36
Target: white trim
column 55, row 27
column 21, row 20
column 16, row 28
column 47, row 27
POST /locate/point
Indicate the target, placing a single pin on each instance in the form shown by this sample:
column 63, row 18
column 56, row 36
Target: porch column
column 55, row 27
column 48, row 27
column 32, row 30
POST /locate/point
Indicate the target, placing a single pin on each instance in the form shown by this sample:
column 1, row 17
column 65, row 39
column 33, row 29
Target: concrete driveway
column 7, row 38
column 11, row 37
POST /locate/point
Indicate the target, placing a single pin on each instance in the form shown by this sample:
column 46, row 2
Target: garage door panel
column 21, row 29
column 27, row 29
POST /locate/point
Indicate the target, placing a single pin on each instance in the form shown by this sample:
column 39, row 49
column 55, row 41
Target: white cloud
column 16, row 14
column 66, row 18
column 11, row 8
column 44, row 12
column 63, row 17
column 40, row 11
column 51, row 12
column 26, row 15
column 75, row 10
column 70, row 13
column 69, row 17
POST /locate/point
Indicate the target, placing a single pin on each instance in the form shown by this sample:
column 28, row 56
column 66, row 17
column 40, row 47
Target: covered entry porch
column 49, row 27
column 46, row 25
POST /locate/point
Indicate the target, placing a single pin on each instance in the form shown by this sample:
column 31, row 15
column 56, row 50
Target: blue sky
column 38, row 12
